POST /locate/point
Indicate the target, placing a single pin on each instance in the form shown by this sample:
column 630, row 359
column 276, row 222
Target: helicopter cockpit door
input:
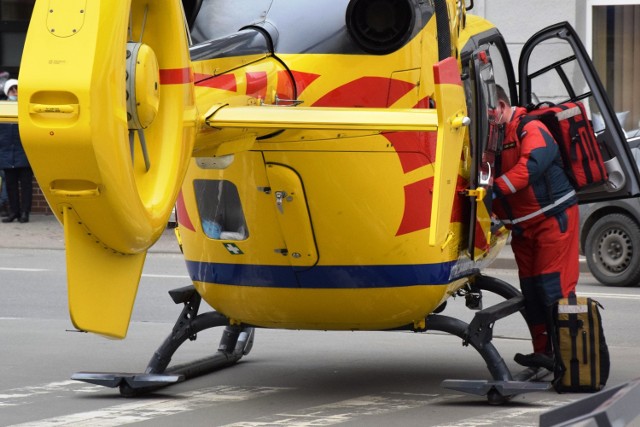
column 554, row 67
column 485, row 141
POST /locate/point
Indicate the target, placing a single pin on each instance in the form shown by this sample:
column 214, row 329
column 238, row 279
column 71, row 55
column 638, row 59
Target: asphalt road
column 291, row 378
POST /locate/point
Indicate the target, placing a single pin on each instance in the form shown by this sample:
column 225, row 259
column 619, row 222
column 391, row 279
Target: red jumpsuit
column 534, row 198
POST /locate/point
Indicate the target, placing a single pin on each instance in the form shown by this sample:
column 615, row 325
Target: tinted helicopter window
column 221, row 214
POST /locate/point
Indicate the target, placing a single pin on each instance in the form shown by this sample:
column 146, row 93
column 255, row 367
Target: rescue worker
column 535, row 200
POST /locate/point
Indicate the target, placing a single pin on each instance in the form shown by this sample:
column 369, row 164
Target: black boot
column 4, row 210
column 11, row 217
column 24, row 217
column 535, row 360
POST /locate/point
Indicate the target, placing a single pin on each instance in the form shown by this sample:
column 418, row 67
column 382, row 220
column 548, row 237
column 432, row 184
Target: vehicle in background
column 173, row 219
column 610, row 234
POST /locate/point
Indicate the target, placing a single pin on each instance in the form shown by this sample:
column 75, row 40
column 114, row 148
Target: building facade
column 610, row 30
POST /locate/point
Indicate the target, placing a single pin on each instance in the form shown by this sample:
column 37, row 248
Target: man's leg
column 26, row 190
column 11, row 178
column 524, row 250
column 558, row 265
column 553, row 266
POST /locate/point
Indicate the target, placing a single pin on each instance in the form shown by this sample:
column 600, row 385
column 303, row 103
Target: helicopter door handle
column 280, row 195
column 485, row 179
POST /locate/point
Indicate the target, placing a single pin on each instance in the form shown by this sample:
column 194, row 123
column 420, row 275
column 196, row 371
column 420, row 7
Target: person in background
column 535, row 200
column 4, row 76
column 13, row 160
column 4, row 199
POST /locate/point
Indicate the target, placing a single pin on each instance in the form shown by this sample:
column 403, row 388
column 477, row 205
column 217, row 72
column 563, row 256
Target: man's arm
column 538, row 150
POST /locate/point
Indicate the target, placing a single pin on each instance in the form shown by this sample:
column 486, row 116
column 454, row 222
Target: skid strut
column 236, row 342
column 479, row 333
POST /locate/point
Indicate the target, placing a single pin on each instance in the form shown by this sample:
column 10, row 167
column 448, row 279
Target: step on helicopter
column 331, row 164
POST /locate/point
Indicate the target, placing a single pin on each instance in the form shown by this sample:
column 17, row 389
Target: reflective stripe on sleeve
column 509, row 184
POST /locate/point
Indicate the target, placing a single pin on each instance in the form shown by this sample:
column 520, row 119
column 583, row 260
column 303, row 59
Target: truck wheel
column 613, row 250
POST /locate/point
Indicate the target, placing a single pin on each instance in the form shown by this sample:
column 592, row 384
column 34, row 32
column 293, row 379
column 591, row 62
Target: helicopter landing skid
column 236, row 342
column 499, row 392
column 479, row 333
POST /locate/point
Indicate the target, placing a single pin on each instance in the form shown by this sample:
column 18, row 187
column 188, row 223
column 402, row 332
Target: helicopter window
column 242, row 43
column 560, row 79
column 500, row 75
column 560, row 76
column 220, row 210
column 220, row 18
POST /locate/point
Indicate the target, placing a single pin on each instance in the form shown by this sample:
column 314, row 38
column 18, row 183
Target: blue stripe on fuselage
column 338, row 276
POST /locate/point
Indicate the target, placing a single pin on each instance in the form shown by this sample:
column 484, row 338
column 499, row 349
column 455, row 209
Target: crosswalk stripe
column 23, row 395
column 346, row 410
column 150, row 408
column 511, row 417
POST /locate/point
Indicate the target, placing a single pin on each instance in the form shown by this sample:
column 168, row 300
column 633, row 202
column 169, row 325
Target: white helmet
column 9, row 84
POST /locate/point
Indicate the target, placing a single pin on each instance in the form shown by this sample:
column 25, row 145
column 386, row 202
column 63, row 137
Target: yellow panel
column 293, row 215
column 66, row 17
column 102, row 284
column 281, row 117
column 450, row 103
column 8, row 112
column 326, row 309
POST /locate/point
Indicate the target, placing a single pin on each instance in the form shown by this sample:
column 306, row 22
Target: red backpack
column 579, row 149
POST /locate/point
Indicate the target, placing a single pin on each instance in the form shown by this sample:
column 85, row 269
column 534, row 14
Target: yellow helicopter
column 331, row 163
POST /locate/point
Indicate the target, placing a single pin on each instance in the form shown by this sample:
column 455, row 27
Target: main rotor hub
column 143, row 85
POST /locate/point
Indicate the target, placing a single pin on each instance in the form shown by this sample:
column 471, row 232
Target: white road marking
column 607, row 295
column 24, row 395
column 154, row 407
column 510, row 417
column 155, row 276
column 357, row 408
column 346, row 410
column 167, row 276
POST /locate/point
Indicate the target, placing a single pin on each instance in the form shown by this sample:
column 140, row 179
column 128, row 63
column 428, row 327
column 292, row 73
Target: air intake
column 380, row 26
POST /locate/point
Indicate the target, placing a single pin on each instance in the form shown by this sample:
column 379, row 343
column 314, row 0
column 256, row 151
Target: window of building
column 14, row 21
column 615, row 50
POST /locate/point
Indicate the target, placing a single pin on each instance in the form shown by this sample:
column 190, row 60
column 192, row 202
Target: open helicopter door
column 554, row 67
column 485, row 140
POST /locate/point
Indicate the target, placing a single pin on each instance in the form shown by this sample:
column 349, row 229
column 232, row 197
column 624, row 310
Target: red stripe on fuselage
column 303, row 80
column 446, row 72
column 481, row 241
column 371, row 92
column 175, row 76
column 415, row 149
column 183, row 215
column 257, row 84
column 417, row 205
column 222, row 81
